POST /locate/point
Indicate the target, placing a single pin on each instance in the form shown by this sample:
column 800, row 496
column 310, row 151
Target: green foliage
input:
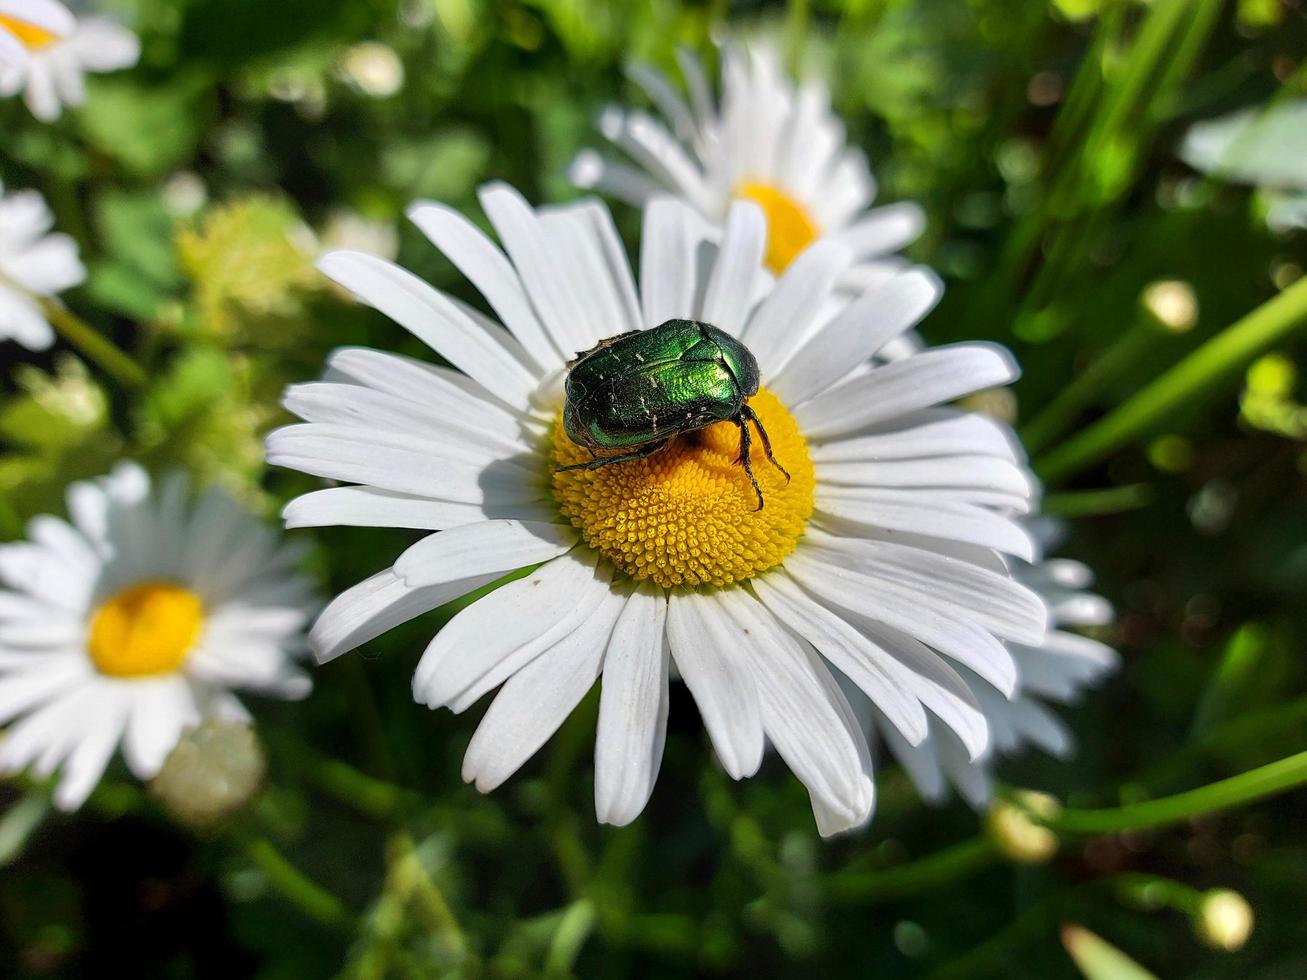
column 1047, row 141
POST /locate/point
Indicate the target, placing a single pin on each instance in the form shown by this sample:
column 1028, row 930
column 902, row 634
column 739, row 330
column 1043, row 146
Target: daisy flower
column 768, row 141
column 878, row 557
column 1059, row 669
column 57, row 51
column 134, row 621
column 34, row 265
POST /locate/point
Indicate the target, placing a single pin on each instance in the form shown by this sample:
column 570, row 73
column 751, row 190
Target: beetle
column 630, row 395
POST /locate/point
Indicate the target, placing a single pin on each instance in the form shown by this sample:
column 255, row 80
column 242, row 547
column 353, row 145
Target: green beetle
column 629, row 395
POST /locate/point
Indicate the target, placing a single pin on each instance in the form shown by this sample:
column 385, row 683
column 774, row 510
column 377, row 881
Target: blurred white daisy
column 880, row 556
column 1060, row 669
column 58, row 50
column 769, row 141
column 34, row 265
column 133, row 623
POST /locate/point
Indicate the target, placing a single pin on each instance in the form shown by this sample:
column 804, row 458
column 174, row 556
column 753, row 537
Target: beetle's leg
column 749, row 413
column 745, row 441
column 644, row 452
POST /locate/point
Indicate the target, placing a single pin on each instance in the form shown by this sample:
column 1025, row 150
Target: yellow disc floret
column 145, row 629
column 31, row 35
column 790, row 229
column 688, row 515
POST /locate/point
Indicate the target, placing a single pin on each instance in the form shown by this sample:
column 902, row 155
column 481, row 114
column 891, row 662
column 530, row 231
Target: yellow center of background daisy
column 30, row 35
column 146, row 629
column 789, row 228
column 688, row 515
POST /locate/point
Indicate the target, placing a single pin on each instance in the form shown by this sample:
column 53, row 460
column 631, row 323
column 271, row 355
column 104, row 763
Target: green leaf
column 149, row 130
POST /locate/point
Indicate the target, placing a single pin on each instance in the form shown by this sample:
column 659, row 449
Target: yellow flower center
column 145, row 629
column 688, row 515
column 790, row 229
column 29, row 34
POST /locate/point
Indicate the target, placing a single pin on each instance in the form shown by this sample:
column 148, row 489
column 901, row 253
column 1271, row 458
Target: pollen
column 687, row 515
column 145, row 630
column 32, row 36
column 790, row 229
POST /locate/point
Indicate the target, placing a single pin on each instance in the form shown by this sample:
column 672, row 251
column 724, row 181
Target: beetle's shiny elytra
column 629, row 395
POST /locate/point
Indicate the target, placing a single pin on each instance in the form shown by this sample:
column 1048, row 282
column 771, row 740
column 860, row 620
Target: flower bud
column 1173, row 304
column 212, row 773
column 1013, row 826
column 1223, row 919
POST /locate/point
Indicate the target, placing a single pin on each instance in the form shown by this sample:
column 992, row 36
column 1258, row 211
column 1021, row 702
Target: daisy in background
column 1059, row 669
column 135, row 621
column 767, row 141
column 34, row 265
column 880, row 559
column 58, row 49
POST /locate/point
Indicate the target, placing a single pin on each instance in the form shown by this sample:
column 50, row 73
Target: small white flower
column 34, row 265
column 880, row 556
column 134, row 622
column 1059, row 669
column 768, row 141
column 58, row 50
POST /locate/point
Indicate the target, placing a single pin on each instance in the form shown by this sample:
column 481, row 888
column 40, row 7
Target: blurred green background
column 1042, row 137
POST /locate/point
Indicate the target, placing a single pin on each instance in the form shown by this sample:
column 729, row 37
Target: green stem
column 296, row 887
column 94, row 345
column 1091, row 503
column 407, row 872
column 1256, row 784
column 1062, row 411
column 1148, row 892
column 1197, row 376
column 796, row 31
column 574, row 929
column 952, row 863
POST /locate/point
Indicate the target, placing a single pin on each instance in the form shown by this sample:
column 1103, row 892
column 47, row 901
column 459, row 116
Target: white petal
column 40, row 96
column 501, row 633
column 369, row 507
column 856, row 333
column 806, row 717
column 847, row 509
column 883, row 230
column 22, row 320
column 590, row 171
column 546, row 268
column 161, row 709
column 671, row 235
column 367, row 408
column 939, row 375
column 537, row 699
column 712, row 659
column 941, row 433
column 494, row 359
column 378, row 604
column 876, row 673
column 732, row 284
column 918, row 614
column 780, row 324
column 473, row 549
column 632, row 709
column 48, row 676
column 86, row 763
column 401, row 463
column 601, row 260
column 102, row 45
column 49, row 15
column 666, row 98
column 486, row 267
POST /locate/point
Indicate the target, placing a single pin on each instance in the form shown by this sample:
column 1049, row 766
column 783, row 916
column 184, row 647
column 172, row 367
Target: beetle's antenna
column 745, row 445
column 749, row 413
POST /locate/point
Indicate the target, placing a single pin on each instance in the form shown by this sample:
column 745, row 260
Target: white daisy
column 879, row 556
column 1059, row 669
column 768, row 141
column 58, row 50
column 34, row 265
column 135, row 621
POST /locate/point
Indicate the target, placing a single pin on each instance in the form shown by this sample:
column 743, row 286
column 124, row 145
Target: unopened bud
column 1223, row 919
column 213, row 772
column 1013, row 825
column 1173, row 303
